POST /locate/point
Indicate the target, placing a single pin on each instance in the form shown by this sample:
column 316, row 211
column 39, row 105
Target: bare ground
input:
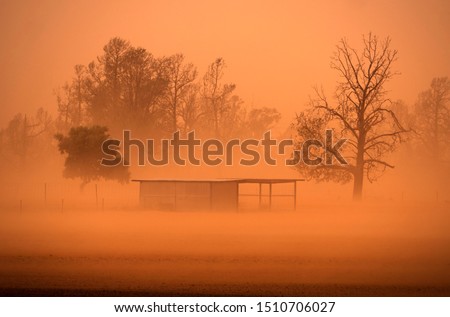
column 355, row 250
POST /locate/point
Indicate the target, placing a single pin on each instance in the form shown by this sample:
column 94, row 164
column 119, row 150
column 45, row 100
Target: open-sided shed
column 205, row 194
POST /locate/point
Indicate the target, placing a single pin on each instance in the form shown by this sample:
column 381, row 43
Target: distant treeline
column 128, row 88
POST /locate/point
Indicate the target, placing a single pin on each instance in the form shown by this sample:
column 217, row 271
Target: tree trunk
column 358, row 177
column 174, row 109
column 174, row 118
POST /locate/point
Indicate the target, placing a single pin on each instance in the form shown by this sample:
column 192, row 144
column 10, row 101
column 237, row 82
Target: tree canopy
column 83, row 147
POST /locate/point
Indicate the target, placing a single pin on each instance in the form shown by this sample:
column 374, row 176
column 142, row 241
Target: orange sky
column 275, row 50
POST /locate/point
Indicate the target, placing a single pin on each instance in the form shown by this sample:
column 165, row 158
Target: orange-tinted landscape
column 77, row 74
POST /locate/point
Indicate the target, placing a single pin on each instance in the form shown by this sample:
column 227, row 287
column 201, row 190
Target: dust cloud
column 321, row 248
column 76, row 74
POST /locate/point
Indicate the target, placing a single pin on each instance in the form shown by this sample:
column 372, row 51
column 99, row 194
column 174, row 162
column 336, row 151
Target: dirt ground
column 319, row 250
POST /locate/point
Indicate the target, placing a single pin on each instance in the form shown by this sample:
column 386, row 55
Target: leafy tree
column 83, row 147
column 123, row 88
column 360, row 112
column 126, row 87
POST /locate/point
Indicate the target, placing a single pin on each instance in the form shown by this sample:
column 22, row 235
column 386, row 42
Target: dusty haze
column 275, row 51
column 59, row 236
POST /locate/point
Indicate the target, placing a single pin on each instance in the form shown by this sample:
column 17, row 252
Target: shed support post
column 237, row 196
column 270, row 196
column 295, row 195
column 260, row 192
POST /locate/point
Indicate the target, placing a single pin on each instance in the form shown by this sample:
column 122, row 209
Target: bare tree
column 360, row 112
column 216, row 96
column 180, row 78
column 190, row 110
column 71, row 100
column 433, row 119
column 259, row 120
column 23, row 130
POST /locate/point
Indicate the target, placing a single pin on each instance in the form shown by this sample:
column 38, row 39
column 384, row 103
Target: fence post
column 96, row 196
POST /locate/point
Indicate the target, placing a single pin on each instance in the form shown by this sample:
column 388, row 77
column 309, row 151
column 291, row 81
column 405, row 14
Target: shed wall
column 224, row 196
column 158, row 195
column 192, row 196
column 174, row 195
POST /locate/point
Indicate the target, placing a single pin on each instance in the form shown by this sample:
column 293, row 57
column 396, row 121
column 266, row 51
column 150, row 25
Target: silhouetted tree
column 259, row 120
column 360, row 112
column 217, row 98
column 126, row 87
column 23, row 130
column 180, row 77
column 144, row 89
column 433, row 120
column 83, row 147
column 71, row 101
column 190, row 110
column 123, row 88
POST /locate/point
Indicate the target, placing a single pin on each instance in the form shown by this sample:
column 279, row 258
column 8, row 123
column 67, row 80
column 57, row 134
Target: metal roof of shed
column 237, row 180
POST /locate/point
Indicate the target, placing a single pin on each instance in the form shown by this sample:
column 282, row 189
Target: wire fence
column 63, row 196
column 68, row 195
